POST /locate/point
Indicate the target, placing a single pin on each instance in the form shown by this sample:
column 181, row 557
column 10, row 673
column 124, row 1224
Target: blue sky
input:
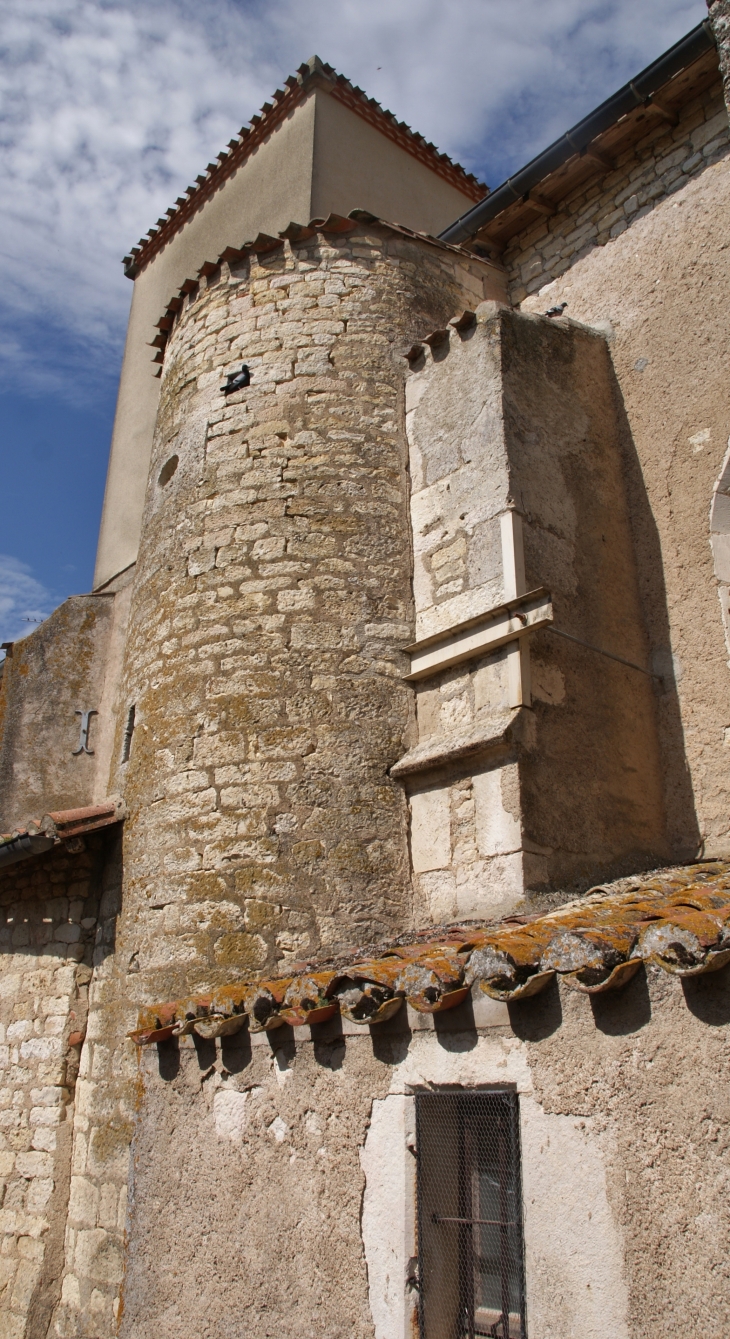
column 108, row 110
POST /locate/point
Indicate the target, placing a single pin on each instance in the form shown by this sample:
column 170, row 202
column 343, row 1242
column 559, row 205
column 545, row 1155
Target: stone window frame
column 720, row 540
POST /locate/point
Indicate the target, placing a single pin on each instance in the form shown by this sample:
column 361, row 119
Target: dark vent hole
column 128, row 732
column 167, row 471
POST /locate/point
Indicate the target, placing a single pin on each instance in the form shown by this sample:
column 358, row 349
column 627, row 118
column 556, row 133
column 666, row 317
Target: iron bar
column 483, row 1222
column 559, row 632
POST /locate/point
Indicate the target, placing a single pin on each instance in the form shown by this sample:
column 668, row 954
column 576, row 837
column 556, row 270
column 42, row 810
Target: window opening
column 127, row 736
column 470, row 1246
column 167, row 471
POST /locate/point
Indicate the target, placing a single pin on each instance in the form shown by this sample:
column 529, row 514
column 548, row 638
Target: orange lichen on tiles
column 677, row 919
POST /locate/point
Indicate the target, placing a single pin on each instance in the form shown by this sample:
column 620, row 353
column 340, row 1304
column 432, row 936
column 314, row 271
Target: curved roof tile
column 677, row 919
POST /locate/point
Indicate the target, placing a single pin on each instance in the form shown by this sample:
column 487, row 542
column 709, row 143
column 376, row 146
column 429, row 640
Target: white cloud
column 24, row 602
column 110, row 109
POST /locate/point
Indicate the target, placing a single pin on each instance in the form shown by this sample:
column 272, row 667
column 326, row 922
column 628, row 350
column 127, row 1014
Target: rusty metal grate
column 470, row 1255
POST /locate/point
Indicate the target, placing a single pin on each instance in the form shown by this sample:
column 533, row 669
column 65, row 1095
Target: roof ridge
column 310, row 75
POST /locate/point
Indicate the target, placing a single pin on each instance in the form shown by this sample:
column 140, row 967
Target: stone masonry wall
column 720, row 20
column 48, row 920
column 593, row 215
column 272, row 595
column 520, row 412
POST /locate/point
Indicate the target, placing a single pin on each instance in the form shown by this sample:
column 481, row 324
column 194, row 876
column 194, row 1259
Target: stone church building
column 365, row 877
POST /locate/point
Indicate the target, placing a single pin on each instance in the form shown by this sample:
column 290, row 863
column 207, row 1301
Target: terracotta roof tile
column 677, row 919
column 40, row 834
column 311, row 75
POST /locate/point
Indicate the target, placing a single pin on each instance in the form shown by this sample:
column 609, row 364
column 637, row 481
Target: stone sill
column 493, row 733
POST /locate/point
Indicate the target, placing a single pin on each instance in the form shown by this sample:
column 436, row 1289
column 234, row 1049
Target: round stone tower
column 272, row 597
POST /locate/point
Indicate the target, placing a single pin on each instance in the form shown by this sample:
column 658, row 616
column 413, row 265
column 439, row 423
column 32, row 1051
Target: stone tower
column 272, row 600
column 405, row 631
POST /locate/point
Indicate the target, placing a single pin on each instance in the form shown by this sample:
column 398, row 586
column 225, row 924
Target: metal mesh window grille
column 470, row 1255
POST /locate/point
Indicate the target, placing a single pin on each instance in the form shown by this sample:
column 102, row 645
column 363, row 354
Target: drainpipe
column 575, row 141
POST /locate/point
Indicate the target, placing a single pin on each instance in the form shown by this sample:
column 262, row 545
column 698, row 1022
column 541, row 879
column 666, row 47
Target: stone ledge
column 483, row 737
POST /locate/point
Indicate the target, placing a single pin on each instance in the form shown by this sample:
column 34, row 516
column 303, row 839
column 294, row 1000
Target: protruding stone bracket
column 508, row 622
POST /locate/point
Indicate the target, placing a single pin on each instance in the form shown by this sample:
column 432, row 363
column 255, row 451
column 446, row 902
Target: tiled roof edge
column 677, row 919
column 312, row 74
column 62, row 825
column 296, row 232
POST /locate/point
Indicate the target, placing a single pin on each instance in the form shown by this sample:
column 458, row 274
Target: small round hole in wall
column 167, row 471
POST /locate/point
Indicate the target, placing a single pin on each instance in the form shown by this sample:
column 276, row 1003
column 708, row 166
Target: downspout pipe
column 636, row 93
column 23, row 846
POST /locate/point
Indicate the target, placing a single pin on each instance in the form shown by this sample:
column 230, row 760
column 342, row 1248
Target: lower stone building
column 366, row 877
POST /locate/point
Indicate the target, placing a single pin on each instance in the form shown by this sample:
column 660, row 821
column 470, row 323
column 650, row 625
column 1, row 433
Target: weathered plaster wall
column 49, row 910
column 58, row 669
column 649, row 1085
column 264, row 1160
column 659, row 292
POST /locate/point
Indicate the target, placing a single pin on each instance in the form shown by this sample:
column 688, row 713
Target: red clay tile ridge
column 676, row 919
column 314, row 73
column 65, row 826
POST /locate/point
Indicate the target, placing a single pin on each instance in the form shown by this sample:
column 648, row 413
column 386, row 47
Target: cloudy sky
column 109, row 109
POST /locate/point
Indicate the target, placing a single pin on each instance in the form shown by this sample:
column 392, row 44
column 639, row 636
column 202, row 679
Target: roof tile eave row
column 678, row 920
column 60, row 825
column 295, row 233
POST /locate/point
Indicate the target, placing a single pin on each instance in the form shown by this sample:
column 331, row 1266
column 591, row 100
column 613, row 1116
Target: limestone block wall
column 660, row 165
column 272, row 597
column 519, row 483
column 49, row 909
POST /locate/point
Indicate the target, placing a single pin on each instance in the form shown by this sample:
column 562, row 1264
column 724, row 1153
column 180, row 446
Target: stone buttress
column 537, row 762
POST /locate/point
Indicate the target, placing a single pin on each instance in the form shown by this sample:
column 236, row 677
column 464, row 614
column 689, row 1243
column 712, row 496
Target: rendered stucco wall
column 659, row 292
column 296, row 1148
column 355, row 167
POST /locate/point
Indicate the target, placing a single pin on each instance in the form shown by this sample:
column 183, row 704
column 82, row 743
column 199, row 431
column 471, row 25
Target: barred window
column 470, row 1251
